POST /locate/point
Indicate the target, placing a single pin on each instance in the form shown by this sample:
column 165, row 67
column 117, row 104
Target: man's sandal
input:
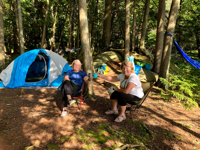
column 120, row 118
column 110, row 112
column 64, row 113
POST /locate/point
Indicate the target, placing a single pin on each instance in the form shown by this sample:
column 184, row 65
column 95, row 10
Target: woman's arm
column 127, row 90
column 86, row 79
column 66, row 78
column 109, row 78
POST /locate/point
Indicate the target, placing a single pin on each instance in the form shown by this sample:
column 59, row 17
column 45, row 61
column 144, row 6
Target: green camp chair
column 136, row 105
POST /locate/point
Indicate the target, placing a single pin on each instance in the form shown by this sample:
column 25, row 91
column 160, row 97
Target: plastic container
column 95, row 75
column 148, row 67
column 140, row 63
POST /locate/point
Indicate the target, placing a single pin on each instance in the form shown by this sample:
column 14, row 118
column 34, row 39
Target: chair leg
column 81, row 101
column 131, row 114
column 61, row 105
column 77, row 104
column 141, row 112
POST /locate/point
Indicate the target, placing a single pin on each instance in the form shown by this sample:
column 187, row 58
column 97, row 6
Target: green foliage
column 183, row 87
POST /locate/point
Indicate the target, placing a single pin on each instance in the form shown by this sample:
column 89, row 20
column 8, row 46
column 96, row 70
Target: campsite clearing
column 30, row 119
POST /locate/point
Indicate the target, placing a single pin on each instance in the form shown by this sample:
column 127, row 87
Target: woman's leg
column 67, row 91
column 113, row 99
column 122, row 103
column 123, row 99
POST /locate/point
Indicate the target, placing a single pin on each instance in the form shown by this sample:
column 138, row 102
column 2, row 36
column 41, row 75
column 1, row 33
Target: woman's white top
column 133, row 78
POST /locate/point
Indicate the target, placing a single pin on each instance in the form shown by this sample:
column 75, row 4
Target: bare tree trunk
column 127, row 29
column 144, row 25
column 16, row 46
column 69, row 44
column 98, row 26
column 119, row 16
column 93, row 23
column 90, row 20
column 134, row 25
column 179, row 28
column 78, row 32
column 2, row 43
column 107, row 23
column 62, row 31
column 159, row 37
column 166, row 57
column 21, row 36
column 198, row 41
column 43, row 42
column 54, row 27
column 87, row 58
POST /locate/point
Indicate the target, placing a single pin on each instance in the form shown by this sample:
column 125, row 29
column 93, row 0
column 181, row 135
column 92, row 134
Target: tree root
column 128, row 145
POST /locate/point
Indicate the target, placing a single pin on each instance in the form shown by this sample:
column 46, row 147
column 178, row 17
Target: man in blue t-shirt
column 72, row 83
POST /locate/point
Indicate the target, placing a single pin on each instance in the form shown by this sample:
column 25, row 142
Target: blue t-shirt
column 76, row 77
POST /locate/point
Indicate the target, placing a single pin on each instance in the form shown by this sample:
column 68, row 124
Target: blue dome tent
column 35, row 68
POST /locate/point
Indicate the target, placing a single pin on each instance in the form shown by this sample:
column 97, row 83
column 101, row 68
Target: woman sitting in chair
column 130, row 90
column 72, row 83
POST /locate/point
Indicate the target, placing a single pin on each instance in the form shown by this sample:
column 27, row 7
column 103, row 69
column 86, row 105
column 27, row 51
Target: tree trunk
column 159, row 37
column 16, row 46
column 62, row 31
column 54, row 27
column 90, row 20
column 127, row 30
column 2, row 44
column 98, row 26
column 69, row 44
column 119, row 18
column 21, row 36
column 179, row 28
column 198, row 41
column 107, row 23
column 94, row 19
column 85, row 37
column 78, row 32
column 166, row 57
column 43, row 42
column 134, row 26
column 144, row 25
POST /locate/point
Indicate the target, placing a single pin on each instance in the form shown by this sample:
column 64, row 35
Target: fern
column 183, row 87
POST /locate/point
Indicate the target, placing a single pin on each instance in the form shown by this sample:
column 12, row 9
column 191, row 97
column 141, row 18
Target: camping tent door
column 38, row 70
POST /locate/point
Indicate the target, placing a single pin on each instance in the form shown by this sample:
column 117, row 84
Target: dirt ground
column 29, row 119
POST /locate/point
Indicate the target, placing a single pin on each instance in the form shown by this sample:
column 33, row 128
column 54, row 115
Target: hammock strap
column 169, row 34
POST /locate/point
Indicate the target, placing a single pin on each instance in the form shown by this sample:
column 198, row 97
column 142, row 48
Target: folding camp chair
column 137, row 104
column 78, row 95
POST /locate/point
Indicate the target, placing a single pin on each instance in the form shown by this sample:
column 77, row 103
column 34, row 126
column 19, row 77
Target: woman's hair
column 76, row 60
column 129, row 64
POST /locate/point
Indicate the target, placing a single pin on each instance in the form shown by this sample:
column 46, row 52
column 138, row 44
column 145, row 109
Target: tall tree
column 127, row 29
column 144, row 25
column 166, row 57
column 134, row 26
column 21, row 35
column 69, row 44
column 119, row 18
column 43, row 42
column 107, row 23
column 16, row 30
column 54, row 25
column 85, row 41
column 2, row 53
column 159, row 37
